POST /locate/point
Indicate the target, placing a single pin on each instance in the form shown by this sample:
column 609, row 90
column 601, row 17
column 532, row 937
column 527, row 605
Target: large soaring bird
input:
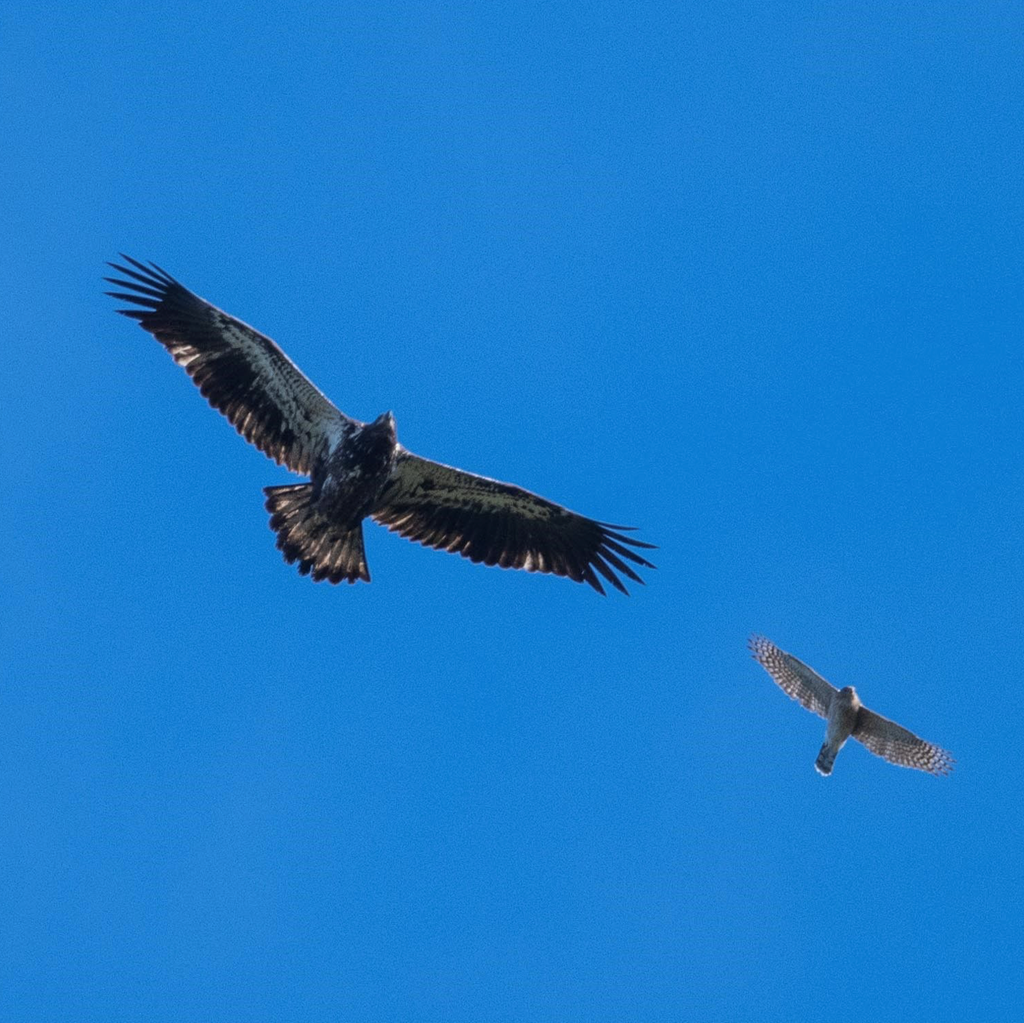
column 356, row 469
column 846, row 716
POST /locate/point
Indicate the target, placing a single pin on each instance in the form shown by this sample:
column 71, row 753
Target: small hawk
column 359, row 470
column 846, row 715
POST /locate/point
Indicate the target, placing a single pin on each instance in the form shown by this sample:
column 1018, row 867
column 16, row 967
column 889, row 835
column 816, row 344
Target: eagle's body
column 359, row 470
column 350, row 479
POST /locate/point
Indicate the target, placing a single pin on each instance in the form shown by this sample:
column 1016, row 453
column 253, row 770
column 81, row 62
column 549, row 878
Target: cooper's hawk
column 846, row 715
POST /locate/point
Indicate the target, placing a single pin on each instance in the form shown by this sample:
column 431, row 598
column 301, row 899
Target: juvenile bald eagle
column 359, row 469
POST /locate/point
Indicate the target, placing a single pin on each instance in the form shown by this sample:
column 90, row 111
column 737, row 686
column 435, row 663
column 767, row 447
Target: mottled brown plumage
column 359, row 470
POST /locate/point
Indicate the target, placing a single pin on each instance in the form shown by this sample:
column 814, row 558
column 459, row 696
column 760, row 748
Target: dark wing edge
column 498, row 523
column 899, row 745
column 796, row 679
column 239, row 371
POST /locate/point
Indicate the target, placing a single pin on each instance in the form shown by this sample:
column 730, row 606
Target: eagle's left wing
column 240, row 372
column 501, row 524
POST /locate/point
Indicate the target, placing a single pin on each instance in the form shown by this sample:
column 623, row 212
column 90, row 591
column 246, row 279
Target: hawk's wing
column 899, row 745
column 501, row 524
column 240, row 372
column 794, row 677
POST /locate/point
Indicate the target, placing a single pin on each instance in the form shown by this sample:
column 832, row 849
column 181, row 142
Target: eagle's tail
column 319, row 545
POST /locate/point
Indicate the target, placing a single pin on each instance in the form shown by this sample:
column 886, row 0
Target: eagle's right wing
column 239, row 371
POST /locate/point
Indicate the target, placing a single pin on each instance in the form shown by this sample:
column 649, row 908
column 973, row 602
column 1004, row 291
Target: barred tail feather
column 321, row 547
column 826, row 758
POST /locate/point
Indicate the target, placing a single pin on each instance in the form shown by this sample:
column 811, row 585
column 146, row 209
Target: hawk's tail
column 320, row 546
column 826, row 758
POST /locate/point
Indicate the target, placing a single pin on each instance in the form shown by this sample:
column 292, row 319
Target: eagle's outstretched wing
column 899, row 745
column 501, row 524
column 240, row 372
column 796, row 679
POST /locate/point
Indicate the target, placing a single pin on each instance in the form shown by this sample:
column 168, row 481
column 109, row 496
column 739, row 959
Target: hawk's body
column 846, row 716
column 842, row 720
column 359, row 470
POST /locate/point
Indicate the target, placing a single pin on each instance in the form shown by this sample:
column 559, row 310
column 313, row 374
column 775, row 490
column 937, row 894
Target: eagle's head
column 385, row 424
column 385, row 417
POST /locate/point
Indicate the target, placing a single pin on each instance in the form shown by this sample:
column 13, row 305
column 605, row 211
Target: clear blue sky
column 744, row 275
